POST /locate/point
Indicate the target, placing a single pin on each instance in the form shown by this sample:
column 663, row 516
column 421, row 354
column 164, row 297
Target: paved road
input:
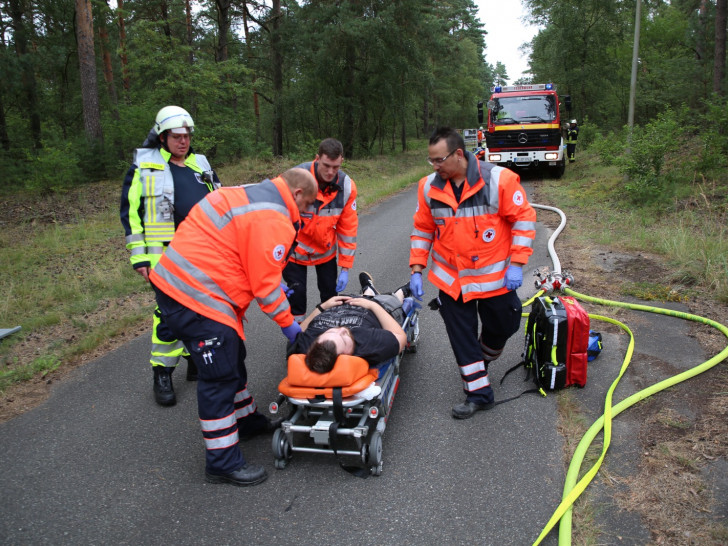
column 101, row 463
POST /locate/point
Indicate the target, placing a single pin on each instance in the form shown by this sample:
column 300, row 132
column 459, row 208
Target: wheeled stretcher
column 343, row 412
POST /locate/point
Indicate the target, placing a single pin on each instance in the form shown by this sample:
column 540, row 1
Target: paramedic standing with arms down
column 329, row 228
column 229, row 251
column 165, row 181
column 473, row 218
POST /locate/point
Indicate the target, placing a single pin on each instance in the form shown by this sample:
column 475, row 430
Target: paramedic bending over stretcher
column 367, row 326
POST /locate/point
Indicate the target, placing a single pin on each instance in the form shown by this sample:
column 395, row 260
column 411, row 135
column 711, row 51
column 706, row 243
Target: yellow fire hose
column 572, row 489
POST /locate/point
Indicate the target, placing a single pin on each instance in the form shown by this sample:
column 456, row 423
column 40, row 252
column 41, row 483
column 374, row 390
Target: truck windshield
column 524, row 109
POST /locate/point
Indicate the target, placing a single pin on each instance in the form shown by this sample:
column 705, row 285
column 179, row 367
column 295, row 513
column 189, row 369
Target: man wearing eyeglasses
column 475, row 221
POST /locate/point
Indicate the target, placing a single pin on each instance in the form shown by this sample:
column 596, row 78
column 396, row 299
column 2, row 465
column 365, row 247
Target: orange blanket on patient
column 351, row 373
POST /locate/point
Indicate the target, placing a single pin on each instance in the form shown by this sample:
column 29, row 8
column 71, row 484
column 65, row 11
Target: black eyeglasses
column 439, row 161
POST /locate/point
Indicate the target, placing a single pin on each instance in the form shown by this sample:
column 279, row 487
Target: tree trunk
column 87, row 65
column 720, row 34
column 122, row 45
column 277, row 57
column 188, row 22
column 108, row 70
column 426, row 115
column 164, row 12
column 347, row 131
column 256, row 102
column 28, row 74
column 701, row 33
column 223, row 29
column 4, row 138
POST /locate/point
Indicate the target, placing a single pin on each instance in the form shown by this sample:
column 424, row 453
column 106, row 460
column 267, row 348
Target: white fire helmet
column 173, row 117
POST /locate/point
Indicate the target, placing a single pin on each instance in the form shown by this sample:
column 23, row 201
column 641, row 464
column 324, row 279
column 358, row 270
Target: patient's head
column 322, row 353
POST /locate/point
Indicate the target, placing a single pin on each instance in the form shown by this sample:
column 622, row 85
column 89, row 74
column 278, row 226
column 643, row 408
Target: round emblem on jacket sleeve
column 353, row 205
column 279, row 252
column 518, row 198
column 488, row 235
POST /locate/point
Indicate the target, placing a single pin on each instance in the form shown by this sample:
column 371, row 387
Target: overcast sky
column 506, row 34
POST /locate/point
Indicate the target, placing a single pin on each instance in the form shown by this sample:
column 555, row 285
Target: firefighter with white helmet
column 164, row 182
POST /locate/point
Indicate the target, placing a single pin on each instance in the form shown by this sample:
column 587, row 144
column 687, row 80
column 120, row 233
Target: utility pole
column 635, row 55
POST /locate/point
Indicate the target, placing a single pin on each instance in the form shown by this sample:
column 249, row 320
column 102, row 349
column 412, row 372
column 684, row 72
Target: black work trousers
column 500, row 317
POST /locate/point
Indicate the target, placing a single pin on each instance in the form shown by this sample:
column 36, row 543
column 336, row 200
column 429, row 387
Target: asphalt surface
column 100, row 463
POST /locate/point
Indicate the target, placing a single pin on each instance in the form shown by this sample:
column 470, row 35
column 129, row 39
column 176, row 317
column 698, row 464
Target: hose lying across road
column 572, row 489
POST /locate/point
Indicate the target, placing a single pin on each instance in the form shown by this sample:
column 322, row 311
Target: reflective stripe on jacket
column 147, row 202
column 473, row 242
column 231, row 249
column 329, row 225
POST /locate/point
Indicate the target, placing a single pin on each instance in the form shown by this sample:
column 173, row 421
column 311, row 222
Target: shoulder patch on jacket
column 518, row 198
column 278, row 252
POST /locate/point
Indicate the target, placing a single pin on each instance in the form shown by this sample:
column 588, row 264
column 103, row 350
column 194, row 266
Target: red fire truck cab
column 524, row 128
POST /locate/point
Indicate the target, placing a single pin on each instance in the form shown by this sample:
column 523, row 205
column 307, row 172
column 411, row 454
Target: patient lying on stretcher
column 368, row 327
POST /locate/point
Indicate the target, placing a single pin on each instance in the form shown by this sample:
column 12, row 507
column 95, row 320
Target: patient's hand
column 335, row 301
column 363, row 302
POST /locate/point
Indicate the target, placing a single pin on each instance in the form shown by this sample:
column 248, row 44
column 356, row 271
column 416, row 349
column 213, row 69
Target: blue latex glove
column 287, row 291
column 416, row 286
column 342, row 281
column 292, row 331
column 514, row 277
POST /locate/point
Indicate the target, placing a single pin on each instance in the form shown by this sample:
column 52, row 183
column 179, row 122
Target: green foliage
column 588, row 133
column 53, row 168
column 648, row 148
column 609, row 148
column 374, row 74
column 714, row 134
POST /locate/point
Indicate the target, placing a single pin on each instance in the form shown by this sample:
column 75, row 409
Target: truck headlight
column 494, row 158
column 552, row 156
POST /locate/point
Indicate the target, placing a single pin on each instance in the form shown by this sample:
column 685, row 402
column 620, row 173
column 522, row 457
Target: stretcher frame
column 354, row 436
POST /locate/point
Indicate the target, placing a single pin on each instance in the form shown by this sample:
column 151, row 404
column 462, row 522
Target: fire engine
column 524, row 127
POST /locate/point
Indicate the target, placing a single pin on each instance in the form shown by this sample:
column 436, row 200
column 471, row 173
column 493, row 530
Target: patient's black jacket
column 371, row 342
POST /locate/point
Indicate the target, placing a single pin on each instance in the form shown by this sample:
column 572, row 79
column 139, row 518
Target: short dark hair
column 331, row 147
column 453, row 138
column 321, row 356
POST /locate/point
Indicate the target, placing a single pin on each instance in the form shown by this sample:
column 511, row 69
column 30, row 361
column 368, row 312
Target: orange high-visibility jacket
column 329, row 224
column 473, row 242
column 231, row 248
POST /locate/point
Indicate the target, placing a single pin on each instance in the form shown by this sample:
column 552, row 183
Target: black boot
column 191, row 369
column 163, row 389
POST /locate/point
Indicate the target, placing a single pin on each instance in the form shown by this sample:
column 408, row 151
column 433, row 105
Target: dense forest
column 83, row 79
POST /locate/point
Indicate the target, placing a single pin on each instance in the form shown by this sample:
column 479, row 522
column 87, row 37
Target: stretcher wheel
column 372, row 454
column 413, row 334
column 281, row 449
column 280, row 464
